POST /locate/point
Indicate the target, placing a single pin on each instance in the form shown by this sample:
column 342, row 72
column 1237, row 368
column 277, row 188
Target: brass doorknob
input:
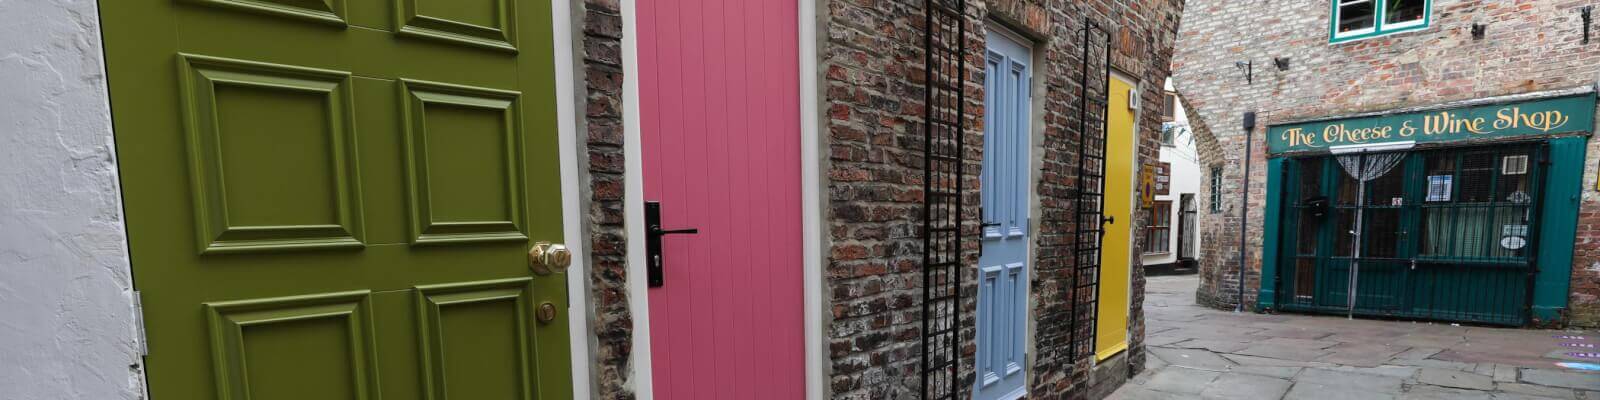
column 546, row 258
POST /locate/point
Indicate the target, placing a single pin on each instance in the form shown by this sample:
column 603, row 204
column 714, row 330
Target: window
column 1169, row 110
column 1358, row 19
column 1216, row 189
column 1158, row 236
column 1169, row 131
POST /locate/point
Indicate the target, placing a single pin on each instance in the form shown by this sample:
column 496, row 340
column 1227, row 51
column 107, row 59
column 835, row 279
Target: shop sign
column 1507, row 120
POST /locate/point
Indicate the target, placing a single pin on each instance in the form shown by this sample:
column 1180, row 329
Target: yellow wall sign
column 1147, row 186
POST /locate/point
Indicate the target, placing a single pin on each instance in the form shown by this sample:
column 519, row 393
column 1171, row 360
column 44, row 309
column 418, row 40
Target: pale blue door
column 1003, row 265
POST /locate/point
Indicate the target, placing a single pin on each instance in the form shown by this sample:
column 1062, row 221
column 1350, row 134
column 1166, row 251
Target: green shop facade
column 1464, row 212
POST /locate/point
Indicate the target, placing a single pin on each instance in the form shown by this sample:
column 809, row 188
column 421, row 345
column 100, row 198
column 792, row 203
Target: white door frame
column 810, row 191
column 1034, row 134
column 572, row 217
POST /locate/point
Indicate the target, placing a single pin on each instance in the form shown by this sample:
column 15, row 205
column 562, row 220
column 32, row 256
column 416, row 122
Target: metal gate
column 1442, row 235
column 943, row 139
column 1089, row 218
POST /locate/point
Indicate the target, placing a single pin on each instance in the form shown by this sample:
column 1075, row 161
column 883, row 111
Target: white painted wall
column 66, row 317
column 1185, row 179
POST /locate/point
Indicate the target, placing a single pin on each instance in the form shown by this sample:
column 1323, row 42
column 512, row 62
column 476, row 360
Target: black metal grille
column 942, row 220
column 1089, row 225
column 1446, row 235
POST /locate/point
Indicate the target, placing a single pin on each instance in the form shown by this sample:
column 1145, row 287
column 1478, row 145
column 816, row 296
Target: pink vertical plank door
column 720, row 129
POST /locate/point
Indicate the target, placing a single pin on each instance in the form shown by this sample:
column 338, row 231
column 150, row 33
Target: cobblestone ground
column 1197, row 352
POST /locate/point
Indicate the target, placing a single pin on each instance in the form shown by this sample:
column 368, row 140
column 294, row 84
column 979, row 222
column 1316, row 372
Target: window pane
column 1514, row 182
column 1402, row 11
column 1310, row 224
column 1477, row 174
column 1310, row 178
column 1305, row 277
column 1383, row 233
column 1348, row 189
column 1441, row 177
column 1342, row 245
column 1355, row 16
column 1387, row 190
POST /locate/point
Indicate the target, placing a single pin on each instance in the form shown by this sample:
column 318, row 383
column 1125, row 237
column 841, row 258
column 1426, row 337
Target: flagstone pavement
column 1198, row 352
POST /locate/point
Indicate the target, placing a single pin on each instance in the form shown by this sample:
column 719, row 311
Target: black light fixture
column 1587, row 11
column 1248, row 67
column 1478, row 31
column 1281, row 62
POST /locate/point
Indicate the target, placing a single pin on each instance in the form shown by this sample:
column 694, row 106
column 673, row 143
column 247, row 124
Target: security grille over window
column 1090, row 216
column 945, row 57
column 1443, row 234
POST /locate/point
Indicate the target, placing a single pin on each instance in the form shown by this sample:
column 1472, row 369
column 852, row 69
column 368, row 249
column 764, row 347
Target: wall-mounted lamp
column 1281, row 62
column 1248, row 68
column 1478, row 31
column 1587, row 11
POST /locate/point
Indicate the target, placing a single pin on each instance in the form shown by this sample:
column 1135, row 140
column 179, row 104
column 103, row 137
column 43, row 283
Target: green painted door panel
column 333, row 199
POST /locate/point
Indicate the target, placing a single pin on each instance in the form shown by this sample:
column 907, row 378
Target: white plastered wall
column 1185, row 180
column 67, row 327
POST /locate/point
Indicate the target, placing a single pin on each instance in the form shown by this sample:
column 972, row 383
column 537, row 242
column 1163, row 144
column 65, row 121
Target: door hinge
column 138, row 322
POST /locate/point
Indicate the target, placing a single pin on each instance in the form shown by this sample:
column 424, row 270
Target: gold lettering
column 1502, row 120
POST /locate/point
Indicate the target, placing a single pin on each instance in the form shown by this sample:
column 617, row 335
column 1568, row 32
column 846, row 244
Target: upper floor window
column 1169, row 109
column 1358, row 19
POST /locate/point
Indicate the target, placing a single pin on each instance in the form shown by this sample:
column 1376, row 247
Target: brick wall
column 601, row 120
column 1529, row 46
column 872, row 65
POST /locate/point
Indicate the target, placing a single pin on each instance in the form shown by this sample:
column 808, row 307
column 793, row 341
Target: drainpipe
column 1244, row 204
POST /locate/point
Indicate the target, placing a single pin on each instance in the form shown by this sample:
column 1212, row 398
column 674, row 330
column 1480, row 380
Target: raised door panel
column 475, row 339
column 464, row 170
column 481, row 23
column 305, row 347
column 272, row 154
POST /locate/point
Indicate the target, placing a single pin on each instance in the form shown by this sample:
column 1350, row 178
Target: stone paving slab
column 1428, row 392
column 1284, row 352
column 1537, row 391
column 1574, row 380
column 1367, row 382
column 1318, row 391
column 1242, row 386
column 1191, row 358
column 1181, row 380
column 1455, row 379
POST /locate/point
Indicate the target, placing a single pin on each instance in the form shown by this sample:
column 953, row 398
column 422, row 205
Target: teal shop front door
column 1003, row 263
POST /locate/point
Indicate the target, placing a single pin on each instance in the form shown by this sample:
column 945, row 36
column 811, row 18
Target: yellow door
column 1111, row 328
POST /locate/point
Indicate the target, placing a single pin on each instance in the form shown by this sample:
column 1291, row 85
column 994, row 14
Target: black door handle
column 1109, row 220
column 652, row 242
column 656, row 230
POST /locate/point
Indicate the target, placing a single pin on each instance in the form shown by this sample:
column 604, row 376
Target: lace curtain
column 1366, row 167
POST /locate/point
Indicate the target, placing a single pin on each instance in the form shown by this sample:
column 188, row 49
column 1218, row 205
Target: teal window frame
column 1378, row 25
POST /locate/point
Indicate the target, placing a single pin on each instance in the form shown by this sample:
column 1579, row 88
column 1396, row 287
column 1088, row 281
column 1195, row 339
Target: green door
column 335, row 199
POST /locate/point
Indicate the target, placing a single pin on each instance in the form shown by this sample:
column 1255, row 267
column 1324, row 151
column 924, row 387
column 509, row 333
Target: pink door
column 719, row 110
